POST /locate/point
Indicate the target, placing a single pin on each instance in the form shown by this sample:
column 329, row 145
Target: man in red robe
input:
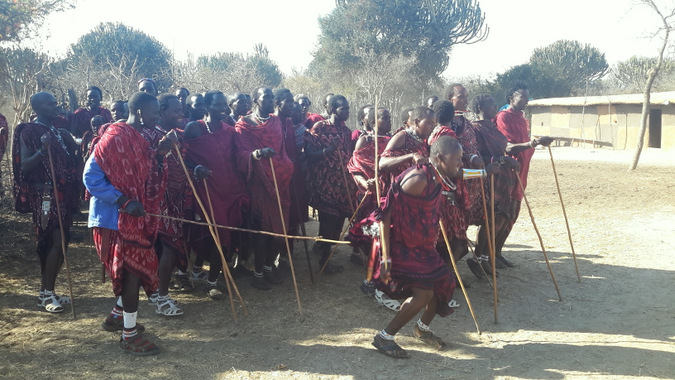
column 330, row 188
column 210, row 150
column 413, row 268
column 513, row 125
column 35, row 192
column 260, row 141
column 131, row 166
column 81, row 120
column 408, row 147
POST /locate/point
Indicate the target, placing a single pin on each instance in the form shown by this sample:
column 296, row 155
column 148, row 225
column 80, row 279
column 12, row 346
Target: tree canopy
column 18, row 19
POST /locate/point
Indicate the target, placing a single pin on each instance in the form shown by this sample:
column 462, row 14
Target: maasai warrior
column 123, row 173
column 238, row 104
column 119, row 110
column 196, row 107
column 408, row 147
column 329, row 185
column 431, row 100
column 310, row 118
column 410, row 218
column 4, row 136
column 362, row 119
column 405, row 117
column 259, row 139
column 362, row 164
column 492, row 147
column 175, row 202
column 147, row 85
column 362, row 168
column 81, row 119
column 513, row 125
column 96, row 123
column 211, row 153
column 34, row 190
column 283, row 106
column 459, row 96
column 183, row 93
column 455, row 201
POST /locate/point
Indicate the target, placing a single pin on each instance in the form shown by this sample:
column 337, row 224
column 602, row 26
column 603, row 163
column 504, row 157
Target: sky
column 289, row 29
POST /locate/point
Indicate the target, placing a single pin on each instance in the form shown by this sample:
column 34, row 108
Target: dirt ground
column 618, row 322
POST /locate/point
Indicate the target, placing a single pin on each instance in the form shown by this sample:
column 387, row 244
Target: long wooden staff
column 562, row 204
column 541, row 242
column 213, row 235
column 459, row 278
column 493, row 259
column 216, row 239
column 344, row 179
column 344, row 231
column 303, row 230
column 63, row 233
column 491, row 248
column 313, row 238
column 283, row 225
column 383, row 243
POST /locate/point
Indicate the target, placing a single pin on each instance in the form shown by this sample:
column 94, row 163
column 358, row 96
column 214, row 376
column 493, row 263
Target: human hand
column 419, row 159
column 370, row 185
column 45, row 139
column 267, row 152
column 202, row 172
column 545, row 140
column 134, row 208
column 477, row 163
column 512, row 163
column 492, row 168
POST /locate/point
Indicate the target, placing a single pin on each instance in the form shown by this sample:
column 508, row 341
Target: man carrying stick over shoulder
column 133, row 183
column 410, row 216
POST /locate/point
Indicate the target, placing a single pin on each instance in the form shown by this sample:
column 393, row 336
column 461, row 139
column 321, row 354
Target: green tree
column 632, row 73
column 19, row 19
column 539, row 83
column 114, row 56
column 22, row 73
column 424, row 30
column 571, row 62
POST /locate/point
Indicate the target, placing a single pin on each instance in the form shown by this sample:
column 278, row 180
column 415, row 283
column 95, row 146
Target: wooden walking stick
column 63, row 234
column 216, row 239
column 213, row 235
column 344, row 231
column 541, row 242
column 304, row 231
column 459, row 278
column 493, row 259
column 491, row 248
column 283, row 225
column 562, row 204
column 383, row 244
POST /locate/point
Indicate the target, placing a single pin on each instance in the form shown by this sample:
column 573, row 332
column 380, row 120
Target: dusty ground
column 619, row 322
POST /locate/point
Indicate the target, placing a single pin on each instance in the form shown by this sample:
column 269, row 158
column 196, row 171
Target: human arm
column 98, row 185
column 389, row 163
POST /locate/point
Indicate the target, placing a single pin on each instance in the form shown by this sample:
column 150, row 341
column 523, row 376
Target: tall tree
column 665, row 28
column 425, row 30
column 20, row 19
column 22, row 73
column 114, row 56
column 632, row 73
column 572, row 62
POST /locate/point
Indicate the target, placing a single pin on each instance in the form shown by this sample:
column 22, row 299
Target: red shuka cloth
column 513, row 125
column 415, row 263
column 410, row 145
column 312, row 119
column 363, row 163
column 326, row 177
column 130, row 164
column 177, row 202
column 298, row 209
column 81, row 119
column 258, row 173
column 467, row 139
column 453, row 211
column 227, row 189
column 30, row 187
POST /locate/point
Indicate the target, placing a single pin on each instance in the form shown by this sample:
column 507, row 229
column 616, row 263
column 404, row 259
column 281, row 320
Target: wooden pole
column 213, row 235
column 493, row 258
column 303, row 230
column 491, row 248
column 344, row 231
column 283, row 225
column 383, row 244
column 459, row 278
column 541, row 242
column 63, row 233
column 567, row 224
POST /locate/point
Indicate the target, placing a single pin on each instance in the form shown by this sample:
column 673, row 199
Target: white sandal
column 453, row 304
column 169, row 308
column 387, row 302
column 51, row 303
